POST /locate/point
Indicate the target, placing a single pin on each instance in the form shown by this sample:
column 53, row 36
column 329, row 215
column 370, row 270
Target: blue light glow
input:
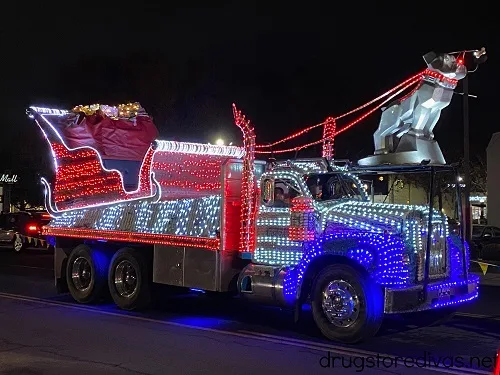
column 466, row 298
column 382, row 254
column 195, row 290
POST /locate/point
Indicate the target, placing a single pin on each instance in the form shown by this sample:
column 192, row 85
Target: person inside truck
column 279, row 198
column 315, row 188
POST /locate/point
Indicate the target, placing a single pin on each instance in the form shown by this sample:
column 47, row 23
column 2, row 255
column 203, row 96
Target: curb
column 489, row 273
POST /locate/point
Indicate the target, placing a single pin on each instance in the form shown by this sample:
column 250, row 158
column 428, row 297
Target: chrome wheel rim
column 18, row 243
column 340, row 303
column 81, row 274
column 126, row 279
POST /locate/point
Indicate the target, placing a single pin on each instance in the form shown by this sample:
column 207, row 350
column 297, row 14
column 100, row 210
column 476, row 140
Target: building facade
column 404, row 191
column 7, row 180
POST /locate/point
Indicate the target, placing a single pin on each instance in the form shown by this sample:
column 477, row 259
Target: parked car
column 485, row 242
column 22, row 230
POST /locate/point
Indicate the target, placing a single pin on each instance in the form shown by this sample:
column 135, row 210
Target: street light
column 219, row 142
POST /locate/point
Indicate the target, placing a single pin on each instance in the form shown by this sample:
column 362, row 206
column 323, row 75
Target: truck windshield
column 331, row 186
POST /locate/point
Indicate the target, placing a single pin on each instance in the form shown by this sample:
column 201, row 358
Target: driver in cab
column 279, row 198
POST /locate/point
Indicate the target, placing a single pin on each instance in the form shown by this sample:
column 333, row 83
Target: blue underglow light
column 466, row 298
column 196, row 290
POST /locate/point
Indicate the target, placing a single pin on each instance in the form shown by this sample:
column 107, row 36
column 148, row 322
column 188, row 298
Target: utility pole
column 467, row 207
column 479, row 58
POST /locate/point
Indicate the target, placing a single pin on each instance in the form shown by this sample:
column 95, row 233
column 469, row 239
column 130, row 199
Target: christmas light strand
column 247, row 215
column 350, row 125
column 411, row 80
column 329, row 137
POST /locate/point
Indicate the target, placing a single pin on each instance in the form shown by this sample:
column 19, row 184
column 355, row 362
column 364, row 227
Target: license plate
column 444, row 292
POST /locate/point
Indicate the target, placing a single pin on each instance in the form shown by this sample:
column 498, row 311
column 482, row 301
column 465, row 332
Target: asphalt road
column 45, row 333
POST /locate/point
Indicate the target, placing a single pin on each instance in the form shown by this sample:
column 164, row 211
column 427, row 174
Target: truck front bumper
column 439, row 294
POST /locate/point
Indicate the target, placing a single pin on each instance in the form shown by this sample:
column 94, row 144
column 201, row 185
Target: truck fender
column 354, row 249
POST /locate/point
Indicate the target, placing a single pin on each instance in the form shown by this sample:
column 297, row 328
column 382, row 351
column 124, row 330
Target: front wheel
column 129, row 280
column 347, row 305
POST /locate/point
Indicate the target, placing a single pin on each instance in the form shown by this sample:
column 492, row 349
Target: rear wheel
column 18, row 244
column 347, row 306
column 129, row 280
column 85, row 274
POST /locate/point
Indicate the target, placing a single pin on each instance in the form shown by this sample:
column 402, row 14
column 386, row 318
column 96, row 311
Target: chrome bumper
column 439, row 294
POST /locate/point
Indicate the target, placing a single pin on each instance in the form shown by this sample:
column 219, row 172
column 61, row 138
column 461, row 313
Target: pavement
column 42, row 332
column 490, row 276
column 488, row 279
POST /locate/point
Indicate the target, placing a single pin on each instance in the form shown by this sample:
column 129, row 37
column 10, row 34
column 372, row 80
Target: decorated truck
column 130, row 211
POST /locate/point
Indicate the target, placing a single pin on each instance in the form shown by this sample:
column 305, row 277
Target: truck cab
column 352, row 259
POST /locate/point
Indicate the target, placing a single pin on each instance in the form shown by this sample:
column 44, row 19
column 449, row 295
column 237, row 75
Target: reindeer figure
column 405, row 133
column 407, row 124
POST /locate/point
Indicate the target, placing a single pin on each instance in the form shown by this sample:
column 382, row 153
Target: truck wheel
column 85, row 275
column 128, row 280
column 346, row 305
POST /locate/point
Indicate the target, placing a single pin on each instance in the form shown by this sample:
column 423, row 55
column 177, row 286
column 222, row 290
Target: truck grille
column 439, row 257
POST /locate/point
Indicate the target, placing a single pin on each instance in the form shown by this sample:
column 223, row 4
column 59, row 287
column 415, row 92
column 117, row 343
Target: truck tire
column 85, row 275
column 347, row 306
column 129, row 280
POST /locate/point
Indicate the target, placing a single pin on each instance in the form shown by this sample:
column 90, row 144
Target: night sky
column 285, row 66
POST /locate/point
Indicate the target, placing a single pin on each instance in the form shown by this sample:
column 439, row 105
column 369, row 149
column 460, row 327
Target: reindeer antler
column 247, row 234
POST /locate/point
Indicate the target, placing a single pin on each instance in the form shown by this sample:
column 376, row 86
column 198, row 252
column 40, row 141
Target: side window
column 279, row 192
column 496, row 232
column 284, row 191
column 12, row 219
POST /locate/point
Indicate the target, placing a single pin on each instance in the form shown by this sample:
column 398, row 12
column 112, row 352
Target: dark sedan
column 485, row 242
column 21, row 230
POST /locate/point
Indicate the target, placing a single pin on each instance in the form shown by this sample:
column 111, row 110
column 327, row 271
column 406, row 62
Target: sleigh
column 104, row 155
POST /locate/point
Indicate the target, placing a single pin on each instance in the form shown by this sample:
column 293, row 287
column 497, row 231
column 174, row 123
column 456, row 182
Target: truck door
column 273, row 245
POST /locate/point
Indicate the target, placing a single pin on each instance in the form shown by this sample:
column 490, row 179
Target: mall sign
column 9, row 178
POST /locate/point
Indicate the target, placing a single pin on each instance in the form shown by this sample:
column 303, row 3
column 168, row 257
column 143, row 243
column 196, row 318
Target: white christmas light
column 199, row 148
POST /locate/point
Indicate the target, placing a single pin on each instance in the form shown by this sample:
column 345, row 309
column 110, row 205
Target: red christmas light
column 403, row 84
column 248, row 203
column 439, row 77
column 82, row 180
column 416, row 79
column 183, row 175
column 302, row 226
column 328, row 137
column 148, row 238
